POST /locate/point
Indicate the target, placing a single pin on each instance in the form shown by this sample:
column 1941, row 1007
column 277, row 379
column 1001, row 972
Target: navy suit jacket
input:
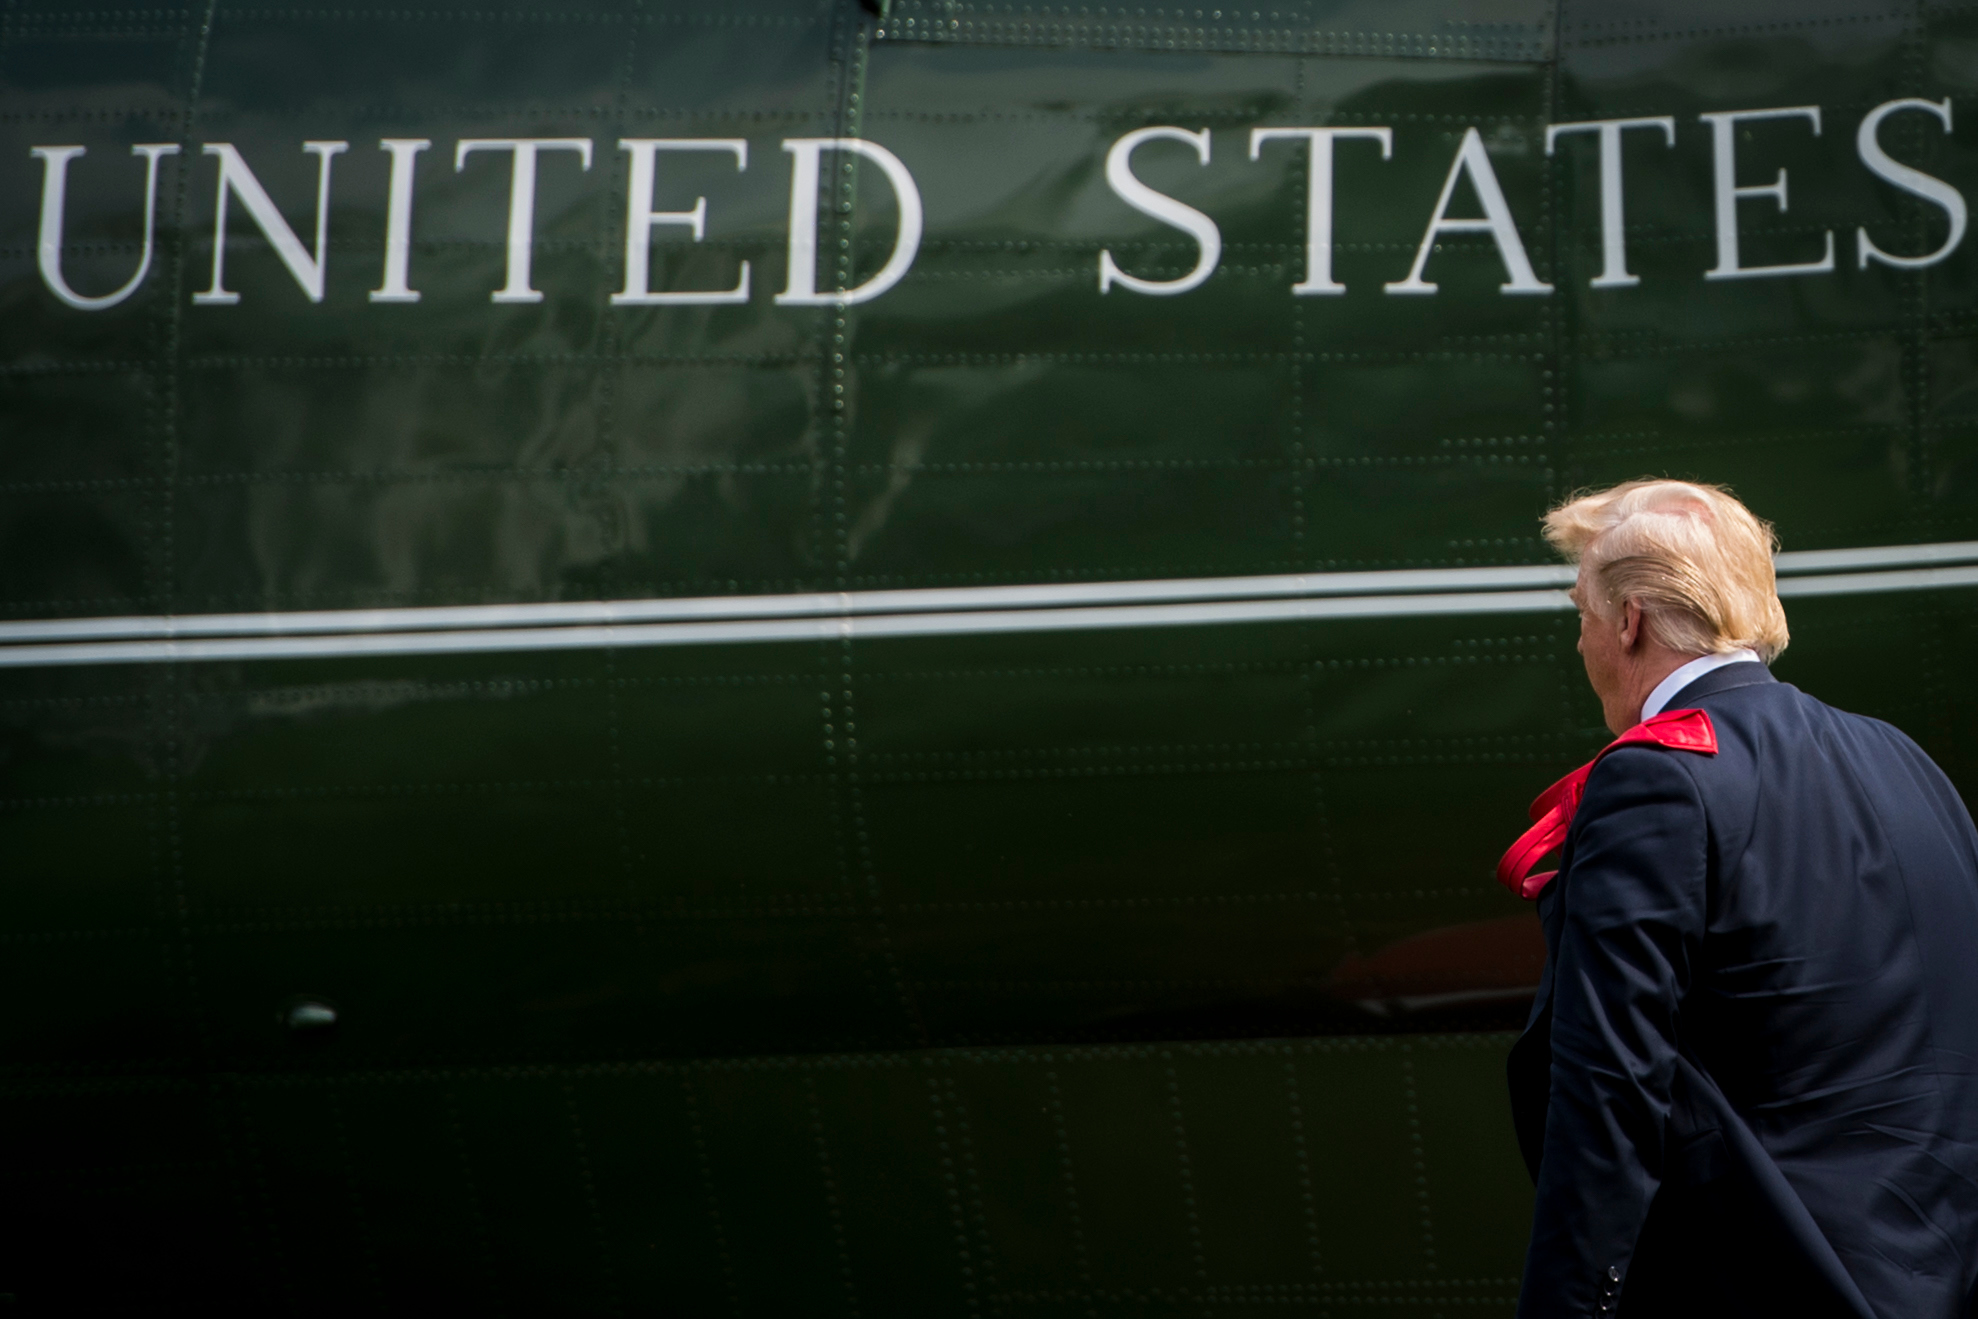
column 1750, row 1081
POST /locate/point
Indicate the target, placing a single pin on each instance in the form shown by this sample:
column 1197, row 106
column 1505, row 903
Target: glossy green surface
column 907, row 977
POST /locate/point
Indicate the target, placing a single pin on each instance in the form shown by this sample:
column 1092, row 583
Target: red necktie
column 1679, row 730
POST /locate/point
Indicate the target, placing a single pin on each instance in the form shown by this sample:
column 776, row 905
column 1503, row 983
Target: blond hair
column 1696, row 561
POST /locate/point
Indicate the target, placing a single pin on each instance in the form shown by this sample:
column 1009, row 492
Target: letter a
column 1470, row 157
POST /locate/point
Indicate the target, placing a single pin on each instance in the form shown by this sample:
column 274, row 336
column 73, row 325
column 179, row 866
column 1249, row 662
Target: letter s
column 1160, row 206
column 1912, row 181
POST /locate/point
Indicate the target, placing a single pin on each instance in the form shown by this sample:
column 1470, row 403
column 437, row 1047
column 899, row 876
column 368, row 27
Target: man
column 1749, row 1085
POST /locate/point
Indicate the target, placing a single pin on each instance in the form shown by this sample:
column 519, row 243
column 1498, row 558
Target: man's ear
column 1631, row 625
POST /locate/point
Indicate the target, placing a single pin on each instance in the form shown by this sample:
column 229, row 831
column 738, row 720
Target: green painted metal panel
column 1083, row 972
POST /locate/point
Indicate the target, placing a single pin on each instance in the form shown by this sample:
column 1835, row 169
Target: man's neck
column 1678, row 679
column 1649, row 673
column 1645, row 672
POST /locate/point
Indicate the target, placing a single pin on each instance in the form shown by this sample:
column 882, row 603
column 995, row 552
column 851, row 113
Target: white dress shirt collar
column 1665, row 691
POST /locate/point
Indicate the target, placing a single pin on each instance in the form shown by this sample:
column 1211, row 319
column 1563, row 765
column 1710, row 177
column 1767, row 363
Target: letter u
column 54, row 197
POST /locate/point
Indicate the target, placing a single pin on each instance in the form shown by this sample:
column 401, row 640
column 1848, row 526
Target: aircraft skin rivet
column 308, row 1016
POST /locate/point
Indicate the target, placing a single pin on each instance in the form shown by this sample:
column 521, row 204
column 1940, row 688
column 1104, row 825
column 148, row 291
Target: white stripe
column 1878, row 556
column 1077, row 606
column 348, row 622
column 1873, row 583
column 777, row 629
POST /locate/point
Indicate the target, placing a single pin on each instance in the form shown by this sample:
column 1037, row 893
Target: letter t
column 521, row 200
column 1613, row 224
column 1318, row 204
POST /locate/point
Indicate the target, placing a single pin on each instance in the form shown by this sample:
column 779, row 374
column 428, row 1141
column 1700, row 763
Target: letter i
column 398, row 219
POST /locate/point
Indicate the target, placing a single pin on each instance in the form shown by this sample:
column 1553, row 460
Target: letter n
column 237, row 179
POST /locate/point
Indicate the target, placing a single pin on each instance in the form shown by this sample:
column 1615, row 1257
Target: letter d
column 804, row 172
